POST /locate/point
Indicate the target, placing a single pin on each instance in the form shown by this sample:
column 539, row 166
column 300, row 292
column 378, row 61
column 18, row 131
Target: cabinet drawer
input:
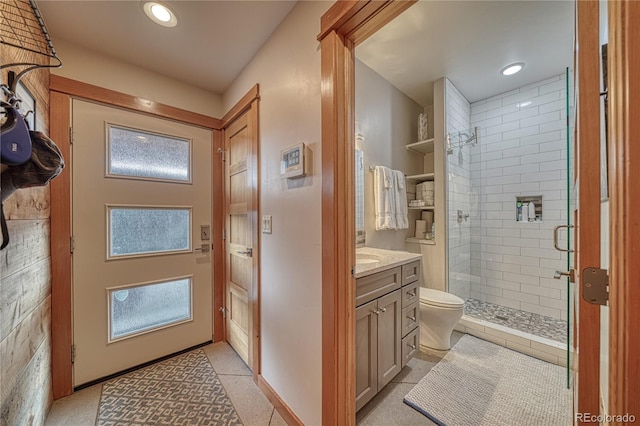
column 410, row 272
column 410, row 294
column 410, row 318
column 410, row 346
column 376, row 285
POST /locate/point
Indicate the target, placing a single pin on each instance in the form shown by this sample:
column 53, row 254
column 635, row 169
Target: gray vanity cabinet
column 384, row 327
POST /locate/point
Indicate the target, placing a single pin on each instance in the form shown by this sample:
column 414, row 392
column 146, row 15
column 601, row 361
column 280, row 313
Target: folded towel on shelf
column 401, row 210
column 384, row 198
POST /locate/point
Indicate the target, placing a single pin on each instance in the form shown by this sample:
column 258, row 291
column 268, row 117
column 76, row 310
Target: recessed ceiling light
column 512, row 68
column 160, row 14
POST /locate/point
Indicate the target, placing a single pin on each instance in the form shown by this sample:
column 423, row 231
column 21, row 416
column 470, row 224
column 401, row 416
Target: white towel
column 401, row 210
column 384, row 198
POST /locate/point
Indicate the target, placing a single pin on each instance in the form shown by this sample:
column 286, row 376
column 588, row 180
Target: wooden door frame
column 587, row 156
column 62, row 91
column 624, row 202
column 249, row 103
column 346, row 24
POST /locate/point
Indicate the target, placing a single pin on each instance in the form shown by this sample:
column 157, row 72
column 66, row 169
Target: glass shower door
column 570, row 220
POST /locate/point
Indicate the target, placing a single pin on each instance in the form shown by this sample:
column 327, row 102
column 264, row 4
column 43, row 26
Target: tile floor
column 387, row 408
column 527, row 322
column 252, row 406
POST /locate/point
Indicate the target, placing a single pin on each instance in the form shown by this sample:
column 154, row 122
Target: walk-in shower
column 507, row 155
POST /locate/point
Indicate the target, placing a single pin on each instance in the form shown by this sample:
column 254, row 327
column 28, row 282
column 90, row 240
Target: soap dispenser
column 532, row 212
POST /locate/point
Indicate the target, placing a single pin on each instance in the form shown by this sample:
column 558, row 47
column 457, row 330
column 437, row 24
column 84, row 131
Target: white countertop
column 381, row 260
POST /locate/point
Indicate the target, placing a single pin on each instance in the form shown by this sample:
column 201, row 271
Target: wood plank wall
column 25, row 281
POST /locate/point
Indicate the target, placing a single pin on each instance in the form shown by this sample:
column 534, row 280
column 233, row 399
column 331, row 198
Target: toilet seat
column 440, row 299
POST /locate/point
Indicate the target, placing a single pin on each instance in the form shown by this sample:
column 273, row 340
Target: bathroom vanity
column 387, row 317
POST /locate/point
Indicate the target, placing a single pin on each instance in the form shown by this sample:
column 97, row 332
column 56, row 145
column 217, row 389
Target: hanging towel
column 384, row 198
column 402, row 212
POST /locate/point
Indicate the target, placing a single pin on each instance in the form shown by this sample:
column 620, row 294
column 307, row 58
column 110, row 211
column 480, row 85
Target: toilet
column 439, row 314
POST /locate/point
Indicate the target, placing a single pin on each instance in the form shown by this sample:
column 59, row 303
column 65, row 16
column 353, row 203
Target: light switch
column 266, row 224
column 205, row 232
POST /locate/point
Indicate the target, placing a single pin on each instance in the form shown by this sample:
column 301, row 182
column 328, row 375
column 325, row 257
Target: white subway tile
column 521, row 169
column 541, row 138
column 523, row 96
column 555, row 86
column 540, row 291
column 522, row 297
column 528, row 188
column 542, row 119
column 520, row 151
column 521, row 260
column 553, row 125
column 520, row 114
column 505, row 285
column 523, row 131
column 560, row 105
column 521, row 242
column 541, row 253
column 510, row 303
column 556, row 303
column 503, row 162
column 489, row 105
column 501, row 128
column 522, row 279
column 559, row 145
column 541, row 176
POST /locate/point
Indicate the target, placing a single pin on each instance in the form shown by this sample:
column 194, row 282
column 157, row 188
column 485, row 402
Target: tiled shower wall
column 522, row 152
column 457, row 114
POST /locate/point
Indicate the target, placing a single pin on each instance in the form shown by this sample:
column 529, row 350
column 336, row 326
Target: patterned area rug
column 479, row 383
column 184, row 390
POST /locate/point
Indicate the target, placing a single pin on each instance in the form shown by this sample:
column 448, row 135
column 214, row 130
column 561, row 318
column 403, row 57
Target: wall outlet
column 266, row 224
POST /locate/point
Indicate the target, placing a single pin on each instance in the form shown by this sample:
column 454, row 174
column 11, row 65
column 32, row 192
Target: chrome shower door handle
column 248, row 252
column 556, row 232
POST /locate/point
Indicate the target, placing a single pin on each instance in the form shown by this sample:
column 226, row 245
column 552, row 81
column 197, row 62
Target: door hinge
column 70, row 135
column 223, row 154
column 223, row 310
column 595, row 286
column 72, row 244
column 224, row 235
column 73, row 354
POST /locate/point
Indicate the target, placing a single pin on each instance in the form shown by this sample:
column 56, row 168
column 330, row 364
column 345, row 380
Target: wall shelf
column 420, row 241
column 422, row 177
column 423, row 208
column 422, row 147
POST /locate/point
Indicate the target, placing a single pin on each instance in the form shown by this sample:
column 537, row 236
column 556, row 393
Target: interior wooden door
column 241, row 245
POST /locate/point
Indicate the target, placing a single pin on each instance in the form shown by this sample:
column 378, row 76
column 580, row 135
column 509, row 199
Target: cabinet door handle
column 383, row 309
column 411, row 346
column 411, row 294
column 411, row 318
column 377, row 312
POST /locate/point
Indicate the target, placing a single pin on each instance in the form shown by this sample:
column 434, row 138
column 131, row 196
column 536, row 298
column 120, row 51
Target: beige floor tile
column 277, row 420
column 225, row 360
column 78, row 409
column 250, row 403
column 387, row 409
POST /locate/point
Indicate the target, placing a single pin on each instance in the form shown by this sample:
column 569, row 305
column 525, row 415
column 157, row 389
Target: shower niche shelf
column 422, row 147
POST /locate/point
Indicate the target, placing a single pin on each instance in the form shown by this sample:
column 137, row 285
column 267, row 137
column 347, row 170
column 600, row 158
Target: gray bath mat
column 479, row 383
column 184, row 390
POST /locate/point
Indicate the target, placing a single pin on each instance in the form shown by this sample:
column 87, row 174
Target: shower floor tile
column 539, row 325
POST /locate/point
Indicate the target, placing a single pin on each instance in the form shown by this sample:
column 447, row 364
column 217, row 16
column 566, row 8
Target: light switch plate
column 266, row 224
column 205, row 232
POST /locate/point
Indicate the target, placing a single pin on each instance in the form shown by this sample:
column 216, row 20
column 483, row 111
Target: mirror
column 359, row 192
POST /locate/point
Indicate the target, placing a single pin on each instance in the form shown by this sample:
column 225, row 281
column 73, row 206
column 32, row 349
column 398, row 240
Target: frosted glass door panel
column 145, row 231
column 136, row 310
column 138, row 154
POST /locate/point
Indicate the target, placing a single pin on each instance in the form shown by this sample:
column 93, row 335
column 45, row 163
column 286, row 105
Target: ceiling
column 212, row 43
column 470, row 42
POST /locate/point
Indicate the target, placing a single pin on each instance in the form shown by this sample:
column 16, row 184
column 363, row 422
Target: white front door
column 141, row 202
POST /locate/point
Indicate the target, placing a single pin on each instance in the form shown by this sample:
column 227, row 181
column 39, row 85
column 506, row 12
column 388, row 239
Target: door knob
column 204, row 248
column 571, row 273
column 248, row 252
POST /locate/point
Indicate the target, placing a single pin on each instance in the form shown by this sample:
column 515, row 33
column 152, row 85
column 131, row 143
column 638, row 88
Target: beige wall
column 388, row 119
column 94, row 68
column 287, row 68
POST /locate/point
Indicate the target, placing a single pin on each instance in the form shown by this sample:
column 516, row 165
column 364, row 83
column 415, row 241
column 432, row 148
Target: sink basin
column 365, row 261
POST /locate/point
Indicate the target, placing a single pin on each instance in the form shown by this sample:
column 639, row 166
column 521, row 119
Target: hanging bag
column 45, row 163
